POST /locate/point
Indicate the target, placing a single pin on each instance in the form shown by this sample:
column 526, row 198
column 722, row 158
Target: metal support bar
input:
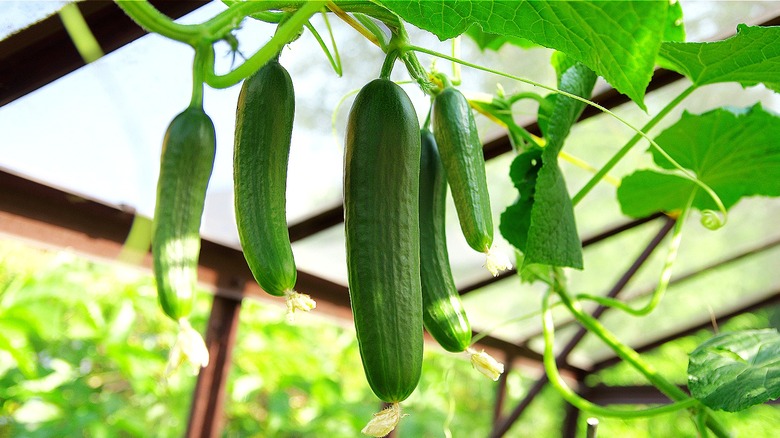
column 44, row 52
column 632, row 395
column 570, row 419
column 498, row 406
column 206, row 413
column 40, row 213
column 772, row 299
column 677, row 279
column 585, row 243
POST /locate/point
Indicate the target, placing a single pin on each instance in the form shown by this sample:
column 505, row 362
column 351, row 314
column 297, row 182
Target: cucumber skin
column 443, row 313
column 381, row 212
column 264, row 121
column 464, row 163
column 186, row 163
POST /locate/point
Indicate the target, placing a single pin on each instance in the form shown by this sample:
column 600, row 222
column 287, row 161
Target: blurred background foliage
column 83, row 348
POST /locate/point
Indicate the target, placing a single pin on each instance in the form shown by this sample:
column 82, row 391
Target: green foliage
column 618, row 40
column 85, row 350
column 750, row 57
column 734, row 151
column 669, row 360
column 547, row 234
column 87, row 347
column 736, row 370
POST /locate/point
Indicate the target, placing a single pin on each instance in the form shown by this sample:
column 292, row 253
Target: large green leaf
column 493, row 41
column 735, row 151
column 516, row 219
column 541, row 223
column 619, row 40
column 750, row 57
column 734, row 371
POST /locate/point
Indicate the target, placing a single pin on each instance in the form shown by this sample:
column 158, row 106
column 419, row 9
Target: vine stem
column 685, row 173
column 198, row 70
column 80, row 33
column 354, row 24
column 152, row 20
column 628, row 146
column 284, row 34
column 666, row 272
column 584, row 165
column 630, row 356
column 387, row 65
column 580, row 403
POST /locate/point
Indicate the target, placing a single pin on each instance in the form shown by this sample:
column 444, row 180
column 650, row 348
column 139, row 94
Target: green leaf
column 541, row 223
column 619, row 40
column 750, row 57
column 734, row 371
column 493, row 41
column 516, row 219
column 735, row 151
column 675, row 30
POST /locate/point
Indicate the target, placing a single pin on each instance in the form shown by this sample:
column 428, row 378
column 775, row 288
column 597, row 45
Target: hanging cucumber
column 461, row 152
column 264, row 122
column 443, row 313
column 187, row 160
column 381, row 212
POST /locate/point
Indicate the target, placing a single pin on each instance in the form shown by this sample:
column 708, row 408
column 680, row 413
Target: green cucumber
column 381, row 215
column 464, row 164
column 264, row 120
column 185, row 168
column 443, row 313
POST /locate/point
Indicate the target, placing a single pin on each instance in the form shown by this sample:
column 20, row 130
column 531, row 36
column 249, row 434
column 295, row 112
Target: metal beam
column 606, row 234
column 632, row 395
column 772, row 299
column 39, row 213
column 206, row 412
column 686, row 277
column 44, row 52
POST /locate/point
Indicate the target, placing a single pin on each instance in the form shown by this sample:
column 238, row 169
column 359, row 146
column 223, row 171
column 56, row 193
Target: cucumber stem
column 387, row 66
column 199, row 68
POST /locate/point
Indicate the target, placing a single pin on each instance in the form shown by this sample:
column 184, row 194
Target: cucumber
column 185, row 168
column 443, row 313
column 381, row 215
column 264, row 121
column 464, row 164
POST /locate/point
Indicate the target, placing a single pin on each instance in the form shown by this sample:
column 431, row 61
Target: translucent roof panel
column 16, row 15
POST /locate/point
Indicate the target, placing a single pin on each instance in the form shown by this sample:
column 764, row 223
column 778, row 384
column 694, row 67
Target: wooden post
column 206, row 414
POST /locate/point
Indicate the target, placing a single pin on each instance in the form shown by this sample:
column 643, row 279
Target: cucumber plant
column 396, row 253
